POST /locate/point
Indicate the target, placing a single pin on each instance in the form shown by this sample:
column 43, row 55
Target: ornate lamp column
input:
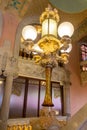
column 49, row 44
column 48, row 97
column 51, row 49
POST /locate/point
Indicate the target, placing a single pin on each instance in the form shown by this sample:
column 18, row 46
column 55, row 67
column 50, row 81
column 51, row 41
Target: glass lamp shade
column 65, row 29
column 49, row 27
column 29, row 33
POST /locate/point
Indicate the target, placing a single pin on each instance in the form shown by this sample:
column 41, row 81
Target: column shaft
column 6, row 101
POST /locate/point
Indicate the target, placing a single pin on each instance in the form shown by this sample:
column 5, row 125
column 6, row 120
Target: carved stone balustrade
column 41, row 123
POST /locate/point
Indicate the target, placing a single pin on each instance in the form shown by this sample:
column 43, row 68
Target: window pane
column 32, row 101
column 1, row 93
column 16, row 101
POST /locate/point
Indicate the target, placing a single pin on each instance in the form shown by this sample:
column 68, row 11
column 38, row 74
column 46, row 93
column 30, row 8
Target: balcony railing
column 19, row 124
column 41, row 123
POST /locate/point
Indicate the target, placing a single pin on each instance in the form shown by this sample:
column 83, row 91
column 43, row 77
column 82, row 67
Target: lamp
column 30, row 34
column 51, row 48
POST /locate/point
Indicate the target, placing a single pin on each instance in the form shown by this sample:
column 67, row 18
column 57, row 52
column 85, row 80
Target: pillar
column 66, row 91
column 6, row 102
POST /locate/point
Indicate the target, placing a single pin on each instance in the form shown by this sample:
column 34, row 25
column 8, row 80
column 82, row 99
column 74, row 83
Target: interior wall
column 78, row 92
column 10, row 24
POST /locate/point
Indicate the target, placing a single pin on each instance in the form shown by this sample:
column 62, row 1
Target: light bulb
column 29, row 33
column 65, row 29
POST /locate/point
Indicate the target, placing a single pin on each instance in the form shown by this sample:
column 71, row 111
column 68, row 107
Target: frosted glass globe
column 29, row 32
column 65, row 29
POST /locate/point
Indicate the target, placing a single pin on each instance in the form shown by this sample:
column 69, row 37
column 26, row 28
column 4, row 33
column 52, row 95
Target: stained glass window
column 83, row 48
column 84, row 52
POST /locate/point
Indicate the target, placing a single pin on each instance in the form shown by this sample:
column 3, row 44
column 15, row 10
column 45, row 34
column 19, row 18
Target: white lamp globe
column 29, row 33
column 65, row 29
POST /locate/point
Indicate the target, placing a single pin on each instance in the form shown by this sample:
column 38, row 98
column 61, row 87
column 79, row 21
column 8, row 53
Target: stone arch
column 81, row 31
column 24, row 22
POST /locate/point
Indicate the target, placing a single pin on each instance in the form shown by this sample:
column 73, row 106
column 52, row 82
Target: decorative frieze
column 29, row 68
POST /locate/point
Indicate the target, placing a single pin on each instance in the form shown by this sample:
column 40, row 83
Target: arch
column 26, row 21
column 81, row 31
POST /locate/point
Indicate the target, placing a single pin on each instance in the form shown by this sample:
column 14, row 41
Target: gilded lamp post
column 51, row 49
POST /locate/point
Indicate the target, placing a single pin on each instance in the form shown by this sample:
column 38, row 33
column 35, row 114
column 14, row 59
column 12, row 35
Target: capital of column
column 11, row 68
column 66, row 84
column 9, row 73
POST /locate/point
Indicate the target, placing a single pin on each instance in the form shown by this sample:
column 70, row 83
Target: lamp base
column 48, row 112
